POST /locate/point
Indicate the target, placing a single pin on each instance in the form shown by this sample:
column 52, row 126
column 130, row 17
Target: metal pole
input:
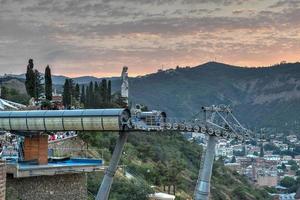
column 203, row 188
column 107, row 181
column 203, row 185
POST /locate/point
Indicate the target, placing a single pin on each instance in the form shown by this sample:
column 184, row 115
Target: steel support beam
column 203, row 187
column 103, row 192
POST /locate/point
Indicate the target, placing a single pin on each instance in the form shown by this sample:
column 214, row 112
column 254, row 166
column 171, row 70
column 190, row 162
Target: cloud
column 284, row 3
column 98, row 37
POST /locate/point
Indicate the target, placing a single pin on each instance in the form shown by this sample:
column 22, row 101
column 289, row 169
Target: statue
column 125, row 85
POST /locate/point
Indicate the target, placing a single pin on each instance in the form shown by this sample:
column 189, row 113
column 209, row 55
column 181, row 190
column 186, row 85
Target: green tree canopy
column 67, row 94
column 30, row 79
column 39, row 89
column 48, row 83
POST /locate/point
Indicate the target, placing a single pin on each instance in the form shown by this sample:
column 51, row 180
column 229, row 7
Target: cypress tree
column 91, row 95
column 261, row 154
column 48, row 83
column 87, row 97
column 4, row 92
column 109, row 91
column 30, row 79
column 72, row 87
column 77, row 92
column 67, row 94
column 82, row 95
column 39, row 89
column 97, row 96
column 104, row 91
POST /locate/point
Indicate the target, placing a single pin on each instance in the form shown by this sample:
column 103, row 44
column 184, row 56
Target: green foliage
column 271, row 190
column 124, row 189
column 46, row 105
column 98, row 95
column 48, row 83
column 30, row 79
column 217, row 83
column 39, row 88
column 283, row 167
column 71, row 94
column 294, row 165
column 33, row 82
column 233, row 160
column 13, row 95
column 82, row 95
column 168, row 161
column 261, row 153
column 77, row 92
column 287, row 182
column 67, row 93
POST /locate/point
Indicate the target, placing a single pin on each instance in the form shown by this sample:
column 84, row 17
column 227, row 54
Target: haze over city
column 97, row 38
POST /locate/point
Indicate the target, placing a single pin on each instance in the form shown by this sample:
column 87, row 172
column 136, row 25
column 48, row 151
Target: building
column 34, row 175
column 270, row 181
column 224, row 150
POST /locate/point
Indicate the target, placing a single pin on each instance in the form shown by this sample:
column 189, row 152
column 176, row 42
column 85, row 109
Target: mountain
column 60, row 80
column 260, row 97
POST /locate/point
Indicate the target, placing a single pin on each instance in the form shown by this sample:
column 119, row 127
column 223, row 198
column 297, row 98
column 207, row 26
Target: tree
column 124, row 189
column 91, row 96
column 233, row 160
column 12, row 94
column 97, row 96
column 283, row 167
column 67, row 94
column 39, row 89
column 103, row 91
column 109, row 91
column 176, row 166
column 294, row 167
column 77, row 92
column 82, row 95
column 30, row 79
column 4, row 92
column 287, row 182
column 48, row 83
column 261, row 154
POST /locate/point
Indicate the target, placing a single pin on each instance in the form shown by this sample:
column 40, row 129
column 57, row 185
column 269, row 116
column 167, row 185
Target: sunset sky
column 90, row 37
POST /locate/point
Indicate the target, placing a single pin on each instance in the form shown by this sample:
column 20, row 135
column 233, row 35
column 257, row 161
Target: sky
column 99, row 37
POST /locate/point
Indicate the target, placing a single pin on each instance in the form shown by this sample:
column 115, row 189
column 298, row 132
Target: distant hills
column 261, row 97
column 60, row 80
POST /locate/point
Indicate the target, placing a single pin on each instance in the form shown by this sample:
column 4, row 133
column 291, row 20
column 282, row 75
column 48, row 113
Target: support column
column 203, row 187
column 107, row 181
column 36, row 148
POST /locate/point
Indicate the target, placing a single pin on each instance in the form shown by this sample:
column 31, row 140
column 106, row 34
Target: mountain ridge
column 261, row 97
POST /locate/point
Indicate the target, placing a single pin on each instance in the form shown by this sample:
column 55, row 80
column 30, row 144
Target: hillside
column 166, row 160
column 261, row 97
column 59, row 79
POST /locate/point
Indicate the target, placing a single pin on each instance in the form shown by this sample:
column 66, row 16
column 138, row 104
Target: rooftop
column 54, row 167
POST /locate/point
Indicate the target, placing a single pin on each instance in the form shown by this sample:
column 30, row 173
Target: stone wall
column 58, row 187
column 2, row 180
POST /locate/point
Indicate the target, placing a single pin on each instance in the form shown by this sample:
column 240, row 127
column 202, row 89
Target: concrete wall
column 58, row 187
